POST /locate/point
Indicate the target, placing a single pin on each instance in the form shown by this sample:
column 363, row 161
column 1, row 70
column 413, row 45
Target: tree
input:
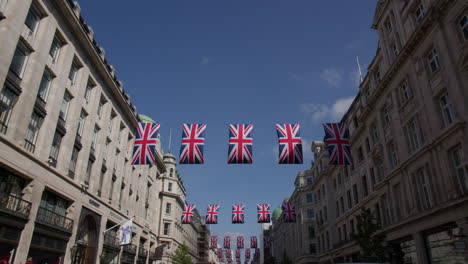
column 371, row 244
column 286, row 259
column 181, row 255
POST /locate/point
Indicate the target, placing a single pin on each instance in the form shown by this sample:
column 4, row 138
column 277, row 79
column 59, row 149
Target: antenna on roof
column 360, row 72
column 170, row 139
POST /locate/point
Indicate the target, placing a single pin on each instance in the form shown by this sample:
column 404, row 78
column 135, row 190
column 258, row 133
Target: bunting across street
column 214, row 242
column 253, row 242
column 144, row 148
column 187, row 214
column 290, row 144
column 212, row 214
column 220, row 253
column 238, row 213
column 193, row 141
column 240, row 144
column 337, row 139
column 240, row 242
column 263, row 213
column 289, row 212
column 247, row 254
column 238, row 253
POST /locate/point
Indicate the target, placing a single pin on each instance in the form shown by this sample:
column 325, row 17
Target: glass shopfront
column 446, row 246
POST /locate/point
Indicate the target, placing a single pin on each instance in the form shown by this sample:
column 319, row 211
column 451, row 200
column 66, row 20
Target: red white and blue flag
column 266, row 242
column 240, row 242
column 289, row 212
column 247, row 253
column 240, row 144
column 238, row 253
column 214, row 242
column 220, row 253
column 253, row 242
column 227, row 242
column 212, row 214
column 263, row 213
column 144, row 148
column 257, row 253
column 229, row 254
column 187, row 214
column 337, row 139
column 238, row 213
column 193, row 141
column 290, row 144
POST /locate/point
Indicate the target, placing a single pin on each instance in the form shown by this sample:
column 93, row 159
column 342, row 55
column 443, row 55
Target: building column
column 100, row 246
column 420, row 248
column 33, row 193
column 73, row 212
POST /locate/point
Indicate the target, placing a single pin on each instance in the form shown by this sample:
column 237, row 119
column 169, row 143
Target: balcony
column 142, row 252
column 29, row 146
column 130, row 249
column 111, row 240
column 14, row 205
column 54, row 219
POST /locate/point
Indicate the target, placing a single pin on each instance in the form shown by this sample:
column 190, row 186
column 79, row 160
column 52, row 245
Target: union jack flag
column 187, row 214
column 227, row 242
column 214, row 241
column 257, row 253
column 253, row 242
column 193, row 140
column 228, row 254
column 337, row 139
column 238, row 213
column 144, row 148
column 290, row 144
column 247, row 254
column 263, row 213
column 212, row 214
column 266, row 242
column 240, row 242
column 289, row 213
column 238, row 253
column 240, row 144
column 220, row 253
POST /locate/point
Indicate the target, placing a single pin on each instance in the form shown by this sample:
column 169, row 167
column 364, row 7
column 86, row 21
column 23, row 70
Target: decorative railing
column 13, row 204
column 111, row 240
column 52, row 218
column 29, row 146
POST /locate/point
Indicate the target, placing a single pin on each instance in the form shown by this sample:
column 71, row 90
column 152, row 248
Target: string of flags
column 241, row 144
column 238, row 211
column 225, row 253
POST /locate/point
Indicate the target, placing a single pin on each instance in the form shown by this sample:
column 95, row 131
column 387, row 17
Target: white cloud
column 331, row 76
column 323, row 112
column 206, row 60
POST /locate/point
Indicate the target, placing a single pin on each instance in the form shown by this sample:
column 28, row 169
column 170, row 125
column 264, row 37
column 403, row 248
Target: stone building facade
column 409, row 141
column 67, row 129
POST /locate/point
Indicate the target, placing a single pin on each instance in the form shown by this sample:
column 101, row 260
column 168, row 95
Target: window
column 94, row 138
column 45, row 85
column 7, row 98
column 122, row 188
column 33, row 18
column 419, row 13
column 380, row 170
column 312, row 249
column 342, row 204
column 339, row 179
column 367, row 145
column 351, row 223
column 73, row 72
column 101, row 107
column 309, row 180
column 101, row 181
column 397, row 200
column 388, row 26
column 52, row 203
column 459, row 167
column 446, row 109
column 111, row 121
column 169, row 187
column 377, row 212
column 334, row 184
column 340, row 238
column 392, row 155
column 395, row 49
column 364, row 185
column 374, row 133
column 309, row 197
column 64, row 107
column 168, row 208
column 55, row 48
column 433, row 60
column 372, row 178
column 350, row 201
column 386, row 116
column 73, row 160
column 55, row 148
column 105, row 149
column 325, row 213
column 463, row 24
column 19, row 59
column 377, row 76
column 423, row 190
column 337, row 208
column 310, row 213
column 31, row 133
column 360, row 154
column 111, row 192
column 385, row 209
column 414, row 134
column 167, row 227
column 345, row 232
column 81, row 122
column 88, row 92
column 89, row 169
column 405, row 92
column 355, row 194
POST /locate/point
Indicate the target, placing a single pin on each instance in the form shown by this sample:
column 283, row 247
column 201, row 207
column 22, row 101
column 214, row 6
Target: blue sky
column 245, row 61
